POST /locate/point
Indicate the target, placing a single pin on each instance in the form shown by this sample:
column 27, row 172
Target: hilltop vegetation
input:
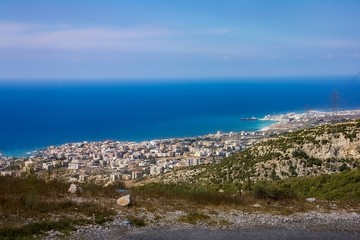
column 335, row 187
column 321, row 150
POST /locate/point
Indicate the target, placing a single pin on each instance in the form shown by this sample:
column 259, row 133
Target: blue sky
column 163, row 39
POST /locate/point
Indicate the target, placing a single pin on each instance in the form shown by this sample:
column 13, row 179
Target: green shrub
column 300, row 154
column 138, row 222
column 194, row 218
column 313, row 161
column 344, row 167
column 342, row 186
column 273, row 175
column 259, row 190
column 273, row 191
column 198, row 194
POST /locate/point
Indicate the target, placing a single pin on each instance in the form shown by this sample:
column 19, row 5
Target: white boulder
column 73, row 188
column 124, row 201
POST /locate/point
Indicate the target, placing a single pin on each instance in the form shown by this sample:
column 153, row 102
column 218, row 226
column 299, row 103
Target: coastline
column 293, row 121
column 247, row 127
column 282, row 122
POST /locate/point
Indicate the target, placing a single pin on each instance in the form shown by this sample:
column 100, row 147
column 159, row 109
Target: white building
column 74, row 165
column 48, row 166
column 154, row 170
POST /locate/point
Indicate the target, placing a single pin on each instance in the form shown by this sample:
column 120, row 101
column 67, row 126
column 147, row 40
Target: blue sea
column 36, row 114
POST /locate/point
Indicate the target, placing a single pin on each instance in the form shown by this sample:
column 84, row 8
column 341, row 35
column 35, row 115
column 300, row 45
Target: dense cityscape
column 111, row 161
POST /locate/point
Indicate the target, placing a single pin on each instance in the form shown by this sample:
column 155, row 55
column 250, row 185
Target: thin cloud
column 15, row 28
column 35, row 37
column 135, row 39
column 340, row 44
column 147, row 38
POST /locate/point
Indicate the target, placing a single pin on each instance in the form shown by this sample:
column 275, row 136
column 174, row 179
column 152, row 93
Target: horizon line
column 169, row 79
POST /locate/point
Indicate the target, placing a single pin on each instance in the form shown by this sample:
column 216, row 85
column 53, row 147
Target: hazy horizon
column 351, row 80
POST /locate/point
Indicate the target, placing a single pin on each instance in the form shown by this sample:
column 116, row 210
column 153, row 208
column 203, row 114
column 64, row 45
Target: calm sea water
column 35, row 115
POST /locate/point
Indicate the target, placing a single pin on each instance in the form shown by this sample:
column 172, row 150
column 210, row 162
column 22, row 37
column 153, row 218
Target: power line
column 355, row 89
column 335, row 103
column 353, row 79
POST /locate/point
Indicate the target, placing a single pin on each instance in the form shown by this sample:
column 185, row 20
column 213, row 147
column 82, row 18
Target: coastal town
column 110, row 161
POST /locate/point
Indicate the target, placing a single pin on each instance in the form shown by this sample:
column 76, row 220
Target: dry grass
column 28, row 230
column 160, row 198
column 197, row 194
column 32, row 206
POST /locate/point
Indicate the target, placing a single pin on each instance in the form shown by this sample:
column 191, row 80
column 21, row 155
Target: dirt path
column 310, row 225
column 232, row 234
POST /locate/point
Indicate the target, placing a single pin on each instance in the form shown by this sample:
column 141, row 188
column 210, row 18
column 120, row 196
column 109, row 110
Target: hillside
column 321, row 150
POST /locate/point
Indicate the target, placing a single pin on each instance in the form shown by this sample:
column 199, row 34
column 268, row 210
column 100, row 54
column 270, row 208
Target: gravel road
column 230, row 234
column 310, row 225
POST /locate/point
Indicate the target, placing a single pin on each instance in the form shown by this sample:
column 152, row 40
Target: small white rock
column 311, row 200
column 72, row 188
column 256, row 205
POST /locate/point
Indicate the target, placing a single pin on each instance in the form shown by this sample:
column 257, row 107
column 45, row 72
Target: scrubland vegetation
column 31, row 206
column 344, row 186
column 50, row 207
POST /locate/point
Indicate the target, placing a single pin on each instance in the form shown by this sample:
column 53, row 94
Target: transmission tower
column 334, row 101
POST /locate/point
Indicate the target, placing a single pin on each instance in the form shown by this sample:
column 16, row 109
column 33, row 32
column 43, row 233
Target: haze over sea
column 35, row 115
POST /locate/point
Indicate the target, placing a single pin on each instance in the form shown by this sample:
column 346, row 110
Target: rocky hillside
column 322, row 150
